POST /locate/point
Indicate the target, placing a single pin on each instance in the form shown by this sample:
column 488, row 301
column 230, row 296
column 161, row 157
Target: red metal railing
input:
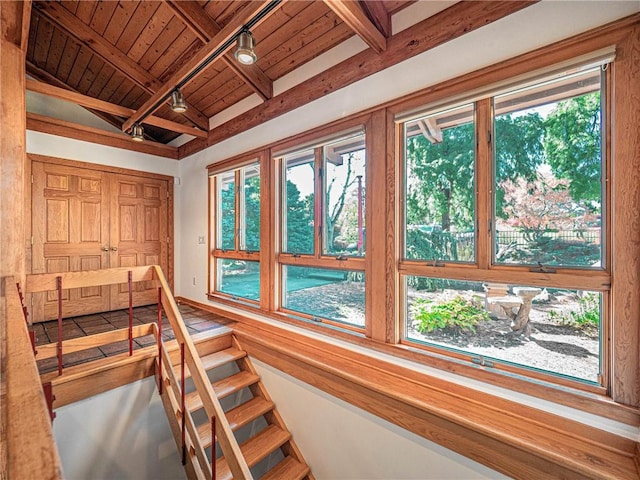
column 25, row 313
column 59, row 349
column 130, row 283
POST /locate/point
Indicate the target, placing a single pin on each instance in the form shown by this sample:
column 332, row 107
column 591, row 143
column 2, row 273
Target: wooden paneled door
column 86, row 219
column 138, row 232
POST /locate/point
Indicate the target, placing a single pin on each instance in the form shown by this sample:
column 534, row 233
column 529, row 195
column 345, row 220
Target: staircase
column 265, row 443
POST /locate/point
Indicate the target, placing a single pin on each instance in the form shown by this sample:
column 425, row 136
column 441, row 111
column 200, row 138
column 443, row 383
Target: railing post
column 213, row 448
column 182, row 402
column 130, row 313
column 160, row 340
column 59, row 347
column 49, row 397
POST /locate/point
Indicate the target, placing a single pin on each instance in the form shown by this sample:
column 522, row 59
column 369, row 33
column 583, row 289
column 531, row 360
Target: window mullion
column 238, row 204
column 319, row 203
column 484, row 181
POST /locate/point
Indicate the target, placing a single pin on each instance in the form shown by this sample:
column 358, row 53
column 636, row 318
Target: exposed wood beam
column 62, row 128
column 455, row 21
column 62, row 18
column 195, row 65
column 13, row 26
column 352, row 14
column 46, row 77
column 102, row 106
column 379, row 15
column 430, row 131
column 26, row 23
column 205, row 28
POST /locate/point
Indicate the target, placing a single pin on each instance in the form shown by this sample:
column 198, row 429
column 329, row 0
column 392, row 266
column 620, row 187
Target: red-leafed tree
column 544, row 204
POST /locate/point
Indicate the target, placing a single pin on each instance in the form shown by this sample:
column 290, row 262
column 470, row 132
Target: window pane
column 251, row 207
column 226, row 211
column 344, row 194
column 553, row 330
column 548, row 200
column 239, row 278
column 299, row 203
column 332, row 294
column 439, row 189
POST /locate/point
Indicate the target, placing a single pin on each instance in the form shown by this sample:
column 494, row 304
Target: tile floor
column 195, row 319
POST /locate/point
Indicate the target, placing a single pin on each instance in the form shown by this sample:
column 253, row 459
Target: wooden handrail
column 31, row 450
column 96, row 340
column 228, row 444
column 90, row 278
column 173, row 393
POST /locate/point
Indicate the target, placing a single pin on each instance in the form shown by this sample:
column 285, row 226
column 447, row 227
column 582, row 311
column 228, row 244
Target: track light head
column 178, row 104
column 244, row 52
column 137, row 133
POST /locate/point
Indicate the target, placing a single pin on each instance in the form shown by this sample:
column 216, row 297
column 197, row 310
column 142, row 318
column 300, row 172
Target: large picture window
column 323, row 233
column 512, row 275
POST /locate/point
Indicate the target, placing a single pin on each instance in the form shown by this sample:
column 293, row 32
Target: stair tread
column 255, row 449
column 217, row 359
column 248, row 411
column 288, row 468
column 222, row 388
column 237, row 417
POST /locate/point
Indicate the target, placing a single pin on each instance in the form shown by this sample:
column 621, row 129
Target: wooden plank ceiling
column 123, row 52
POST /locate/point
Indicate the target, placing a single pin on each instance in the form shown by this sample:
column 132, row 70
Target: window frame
column 485, row 269
column 316, row 140
column 216, row 253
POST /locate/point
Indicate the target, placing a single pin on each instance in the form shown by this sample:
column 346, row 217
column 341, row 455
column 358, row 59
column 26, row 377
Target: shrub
column 586, row 316
column 460, row 313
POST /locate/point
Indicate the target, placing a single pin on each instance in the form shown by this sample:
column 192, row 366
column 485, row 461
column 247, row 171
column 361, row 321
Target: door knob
column 105, row 249
column 114, row 249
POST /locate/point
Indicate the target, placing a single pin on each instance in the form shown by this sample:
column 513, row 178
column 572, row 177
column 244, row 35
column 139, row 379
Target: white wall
column 71, row 149
column 340, row 441
column 120, row 434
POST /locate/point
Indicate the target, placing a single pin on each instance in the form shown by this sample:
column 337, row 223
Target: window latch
column 542, row 269
column 482, row 362
column 295, row 255
column 341, row 257
column 435, row 263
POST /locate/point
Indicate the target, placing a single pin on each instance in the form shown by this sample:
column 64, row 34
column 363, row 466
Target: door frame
column 32, row 157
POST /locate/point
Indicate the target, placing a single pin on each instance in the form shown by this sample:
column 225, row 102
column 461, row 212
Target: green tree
column 252, row 213
column 227, row 211
column 441, row 178
column 519, row 150
column 299, row 221
column 572, row 145
column 442, row 174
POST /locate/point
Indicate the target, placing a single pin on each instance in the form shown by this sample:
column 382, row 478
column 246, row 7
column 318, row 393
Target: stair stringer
column 289, row 448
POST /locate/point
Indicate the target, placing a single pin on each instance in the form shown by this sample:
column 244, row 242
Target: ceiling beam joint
column 356, row 18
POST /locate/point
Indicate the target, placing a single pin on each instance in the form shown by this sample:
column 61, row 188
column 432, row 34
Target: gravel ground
column 552, row 346
column 562, row 349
